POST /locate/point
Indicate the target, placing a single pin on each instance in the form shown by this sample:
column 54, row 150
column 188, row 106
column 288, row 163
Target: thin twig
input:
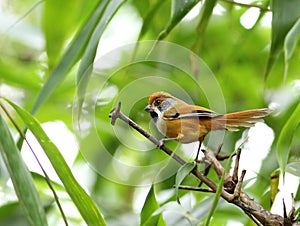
column 219, row 150
column 292, row 215
column 255, row 220
column 116, row 113
column 221, row 157
column 207, row 164
column 191, row 188
column 236, row 166
column 238, row 187
column 293, row 209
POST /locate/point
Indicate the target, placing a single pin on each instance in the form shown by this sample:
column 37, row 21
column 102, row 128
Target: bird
column 185, row 123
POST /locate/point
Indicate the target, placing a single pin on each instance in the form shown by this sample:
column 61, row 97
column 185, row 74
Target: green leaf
column 285, row 138
column 293, row 168
column 221, row 182
column 85, row 68
column 148, row 19
column 284, row 16
column 218, row 193
column 181, row 174
column 206, row 12
column 11, row 214
column 69, row 59
column 21, row 178
column 179, row 9
column 85, row 205
column 290, row 44
column 58, row 24
column 109, row 9
column 150, row 206
column 176, row 208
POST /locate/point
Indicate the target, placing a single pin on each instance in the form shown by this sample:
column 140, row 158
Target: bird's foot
column 161, row 142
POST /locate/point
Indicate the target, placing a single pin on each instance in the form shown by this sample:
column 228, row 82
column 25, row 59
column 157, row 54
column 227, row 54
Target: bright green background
column 47, row 46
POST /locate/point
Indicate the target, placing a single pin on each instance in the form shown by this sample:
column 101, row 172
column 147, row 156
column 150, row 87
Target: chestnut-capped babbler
column 187, row 123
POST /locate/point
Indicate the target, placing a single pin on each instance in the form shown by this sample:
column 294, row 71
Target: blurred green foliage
column 56, row 42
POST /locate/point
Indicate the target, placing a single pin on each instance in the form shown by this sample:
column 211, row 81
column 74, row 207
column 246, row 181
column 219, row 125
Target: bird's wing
column 171, row 114
column 200, row 114
column 193, row 114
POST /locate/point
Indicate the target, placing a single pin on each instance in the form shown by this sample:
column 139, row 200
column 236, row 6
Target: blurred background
column 70, row 62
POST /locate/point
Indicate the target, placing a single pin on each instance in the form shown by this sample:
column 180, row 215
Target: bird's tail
column 233, row 121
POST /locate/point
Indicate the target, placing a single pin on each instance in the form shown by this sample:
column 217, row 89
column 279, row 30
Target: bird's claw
column 161, row 143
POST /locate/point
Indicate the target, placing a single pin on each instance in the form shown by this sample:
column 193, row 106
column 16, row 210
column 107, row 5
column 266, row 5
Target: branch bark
column 232, row 187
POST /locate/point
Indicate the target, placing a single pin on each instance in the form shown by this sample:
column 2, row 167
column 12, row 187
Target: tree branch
column 232, row 190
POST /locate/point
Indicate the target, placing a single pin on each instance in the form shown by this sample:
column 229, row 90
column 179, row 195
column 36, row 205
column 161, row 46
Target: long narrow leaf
column 221, row 182
column 57, row 24
column 148, row 19
column 69, row 59
column 109, row 9
column 21, row 178
column 179, row 10
column 290, row 45
column 85, row 68
column 85, row 205
column 218, row 194
column 206, row 13
column 151, row 205
column 285, row 138
column 284, row 16
column 182, row 173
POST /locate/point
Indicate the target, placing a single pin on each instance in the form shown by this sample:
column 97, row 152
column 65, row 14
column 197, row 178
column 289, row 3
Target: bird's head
column 158, row 103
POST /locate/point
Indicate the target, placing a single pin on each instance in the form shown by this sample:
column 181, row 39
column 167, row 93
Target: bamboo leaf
column 150, row 206
column 179, row 10
column 147, row 21
column 182, row 173
column 85, row 68
column 293, row 168
column 290, row 44
column 206, row 12
column 178, row 209
column 109, row 10
column 85, row 205
column 221, row 182
column 285, row 138
column 21, row 178
column 218, row 194
column 57, row 25
column 284, row 16
column 10, row 213
column 69, row 59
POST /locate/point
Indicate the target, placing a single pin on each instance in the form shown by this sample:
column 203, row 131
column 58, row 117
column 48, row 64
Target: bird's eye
column 157, row 102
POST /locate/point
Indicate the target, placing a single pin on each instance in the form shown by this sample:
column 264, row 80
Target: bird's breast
column 186, row 130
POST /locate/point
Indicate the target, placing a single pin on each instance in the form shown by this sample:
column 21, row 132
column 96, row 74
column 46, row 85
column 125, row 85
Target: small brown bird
column 186, row 123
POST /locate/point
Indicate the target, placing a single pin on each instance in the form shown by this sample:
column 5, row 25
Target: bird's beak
column 148, row 108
